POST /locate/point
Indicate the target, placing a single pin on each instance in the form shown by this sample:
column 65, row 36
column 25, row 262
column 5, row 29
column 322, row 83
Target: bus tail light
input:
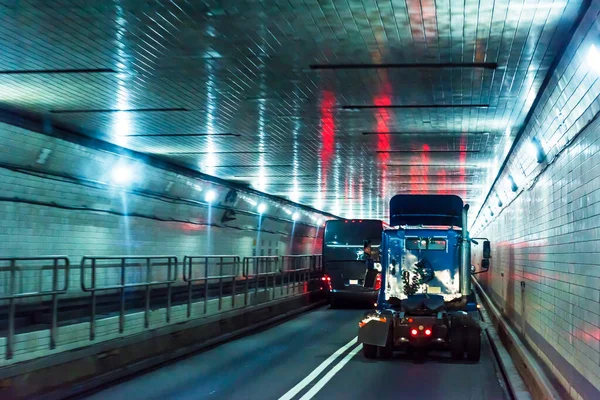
column 327, row 280
column 378, row 282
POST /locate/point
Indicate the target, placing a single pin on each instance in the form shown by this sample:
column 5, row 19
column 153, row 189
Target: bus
column 344, row 264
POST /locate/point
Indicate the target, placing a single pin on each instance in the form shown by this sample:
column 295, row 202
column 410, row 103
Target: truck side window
column 414, row 244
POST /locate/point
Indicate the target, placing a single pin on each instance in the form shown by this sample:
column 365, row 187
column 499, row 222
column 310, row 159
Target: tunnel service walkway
column 312, row 356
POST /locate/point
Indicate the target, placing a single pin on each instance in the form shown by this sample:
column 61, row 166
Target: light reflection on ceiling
column 243, row 67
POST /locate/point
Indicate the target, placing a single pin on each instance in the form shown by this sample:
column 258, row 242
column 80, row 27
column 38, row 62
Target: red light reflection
column 418, row 175
column 327, row 135
column 462, row 161
column 383, row 141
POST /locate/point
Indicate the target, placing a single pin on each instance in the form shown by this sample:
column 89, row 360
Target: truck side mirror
column 487, row 250
column 485, row 266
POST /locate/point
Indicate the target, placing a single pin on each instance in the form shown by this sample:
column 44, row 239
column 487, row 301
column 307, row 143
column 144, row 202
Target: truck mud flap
column 374, row 333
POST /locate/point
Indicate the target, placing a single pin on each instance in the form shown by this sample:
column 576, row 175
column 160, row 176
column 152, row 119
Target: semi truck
column 425, row 300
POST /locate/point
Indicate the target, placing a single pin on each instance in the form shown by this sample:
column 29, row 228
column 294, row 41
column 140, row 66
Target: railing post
column 190, row 281
column 11, row 310
column 220, row 282
column 93, row 311
column 245, row 268
column 282, row 269
column 205, row 285
column 273, row 274
column 236, row 264
column 147, row 302
column 54, row 304
column 122, row 309
column 170, row 268
column 256, row 274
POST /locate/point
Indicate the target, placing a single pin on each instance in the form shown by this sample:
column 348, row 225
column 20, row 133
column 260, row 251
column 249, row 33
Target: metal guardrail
column 123, row 262
column 310, row 261
column 189, row 262
column 58, row 262
column 262, row 266
column 288, row 271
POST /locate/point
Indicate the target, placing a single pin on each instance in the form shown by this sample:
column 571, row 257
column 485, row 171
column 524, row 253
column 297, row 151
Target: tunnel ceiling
column 335, row 104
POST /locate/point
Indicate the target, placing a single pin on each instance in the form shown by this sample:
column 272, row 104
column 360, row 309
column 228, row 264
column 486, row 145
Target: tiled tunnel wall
column 545, row 271
column 53, row 202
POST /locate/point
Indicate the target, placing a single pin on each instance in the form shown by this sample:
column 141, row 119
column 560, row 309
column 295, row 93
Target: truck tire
column 386, row 352
column 369, row 351
column 473, row 345
column 333, row 302
column 475, row 315
column 457, row 343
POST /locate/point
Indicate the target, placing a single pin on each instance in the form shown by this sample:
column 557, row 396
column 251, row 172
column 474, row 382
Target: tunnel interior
column 238, row 128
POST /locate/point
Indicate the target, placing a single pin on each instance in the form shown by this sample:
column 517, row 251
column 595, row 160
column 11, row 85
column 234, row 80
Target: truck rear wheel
column 369, row 350
column 473, row 345
column 334, row 302
column 475, row 315
column 457, row 343
column 386, row 352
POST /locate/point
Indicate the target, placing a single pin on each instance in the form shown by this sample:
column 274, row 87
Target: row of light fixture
column 124, row 175
column 536, row 148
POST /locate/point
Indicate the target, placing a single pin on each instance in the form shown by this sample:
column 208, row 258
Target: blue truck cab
column 425, row 298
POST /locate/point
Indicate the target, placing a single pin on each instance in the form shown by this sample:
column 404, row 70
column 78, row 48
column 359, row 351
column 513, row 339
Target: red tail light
column 414, row 332
column 427, row 332
column 378, row 282
column 327, row 279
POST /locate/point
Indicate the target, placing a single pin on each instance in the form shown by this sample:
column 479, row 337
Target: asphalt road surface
column 312, row 356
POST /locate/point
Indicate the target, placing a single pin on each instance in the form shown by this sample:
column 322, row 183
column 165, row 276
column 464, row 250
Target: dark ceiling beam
column 57, row 71
column 354, row 107
column 426, row 151
column 440, row 133
column 110, row 110
column 182, row 134
column 449, row 65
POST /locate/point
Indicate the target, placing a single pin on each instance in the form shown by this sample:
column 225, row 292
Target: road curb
column 524, row 376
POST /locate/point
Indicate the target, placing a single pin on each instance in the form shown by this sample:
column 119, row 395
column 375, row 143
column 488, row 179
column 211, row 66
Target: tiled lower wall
column 545, row 271
column 43, row 214
column 36, row 344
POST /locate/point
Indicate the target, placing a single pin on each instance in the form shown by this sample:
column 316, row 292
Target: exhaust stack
column 465, row 260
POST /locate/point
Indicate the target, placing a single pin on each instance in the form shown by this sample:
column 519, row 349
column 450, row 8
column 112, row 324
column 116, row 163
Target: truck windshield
column 425, row 244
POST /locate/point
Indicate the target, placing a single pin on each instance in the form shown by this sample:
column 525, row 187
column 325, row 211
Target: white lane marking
column 319, row 385
column 304, row 382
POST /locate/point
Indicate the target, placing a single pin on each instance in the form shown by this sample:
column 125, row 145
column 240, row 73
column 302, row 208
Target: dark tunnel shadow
column 509, row 300
column 414, row 357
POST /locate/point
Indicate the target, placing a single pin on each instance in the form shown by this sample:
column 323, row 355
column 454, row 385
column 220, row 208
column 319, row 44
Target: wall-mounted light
column 122, row 175
column 513, row 184
column 210, row 196
column 491, row 212
column 499, row 200
column 593, row 58
column 295, row 216
column 537, row 149
column 262, row 207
